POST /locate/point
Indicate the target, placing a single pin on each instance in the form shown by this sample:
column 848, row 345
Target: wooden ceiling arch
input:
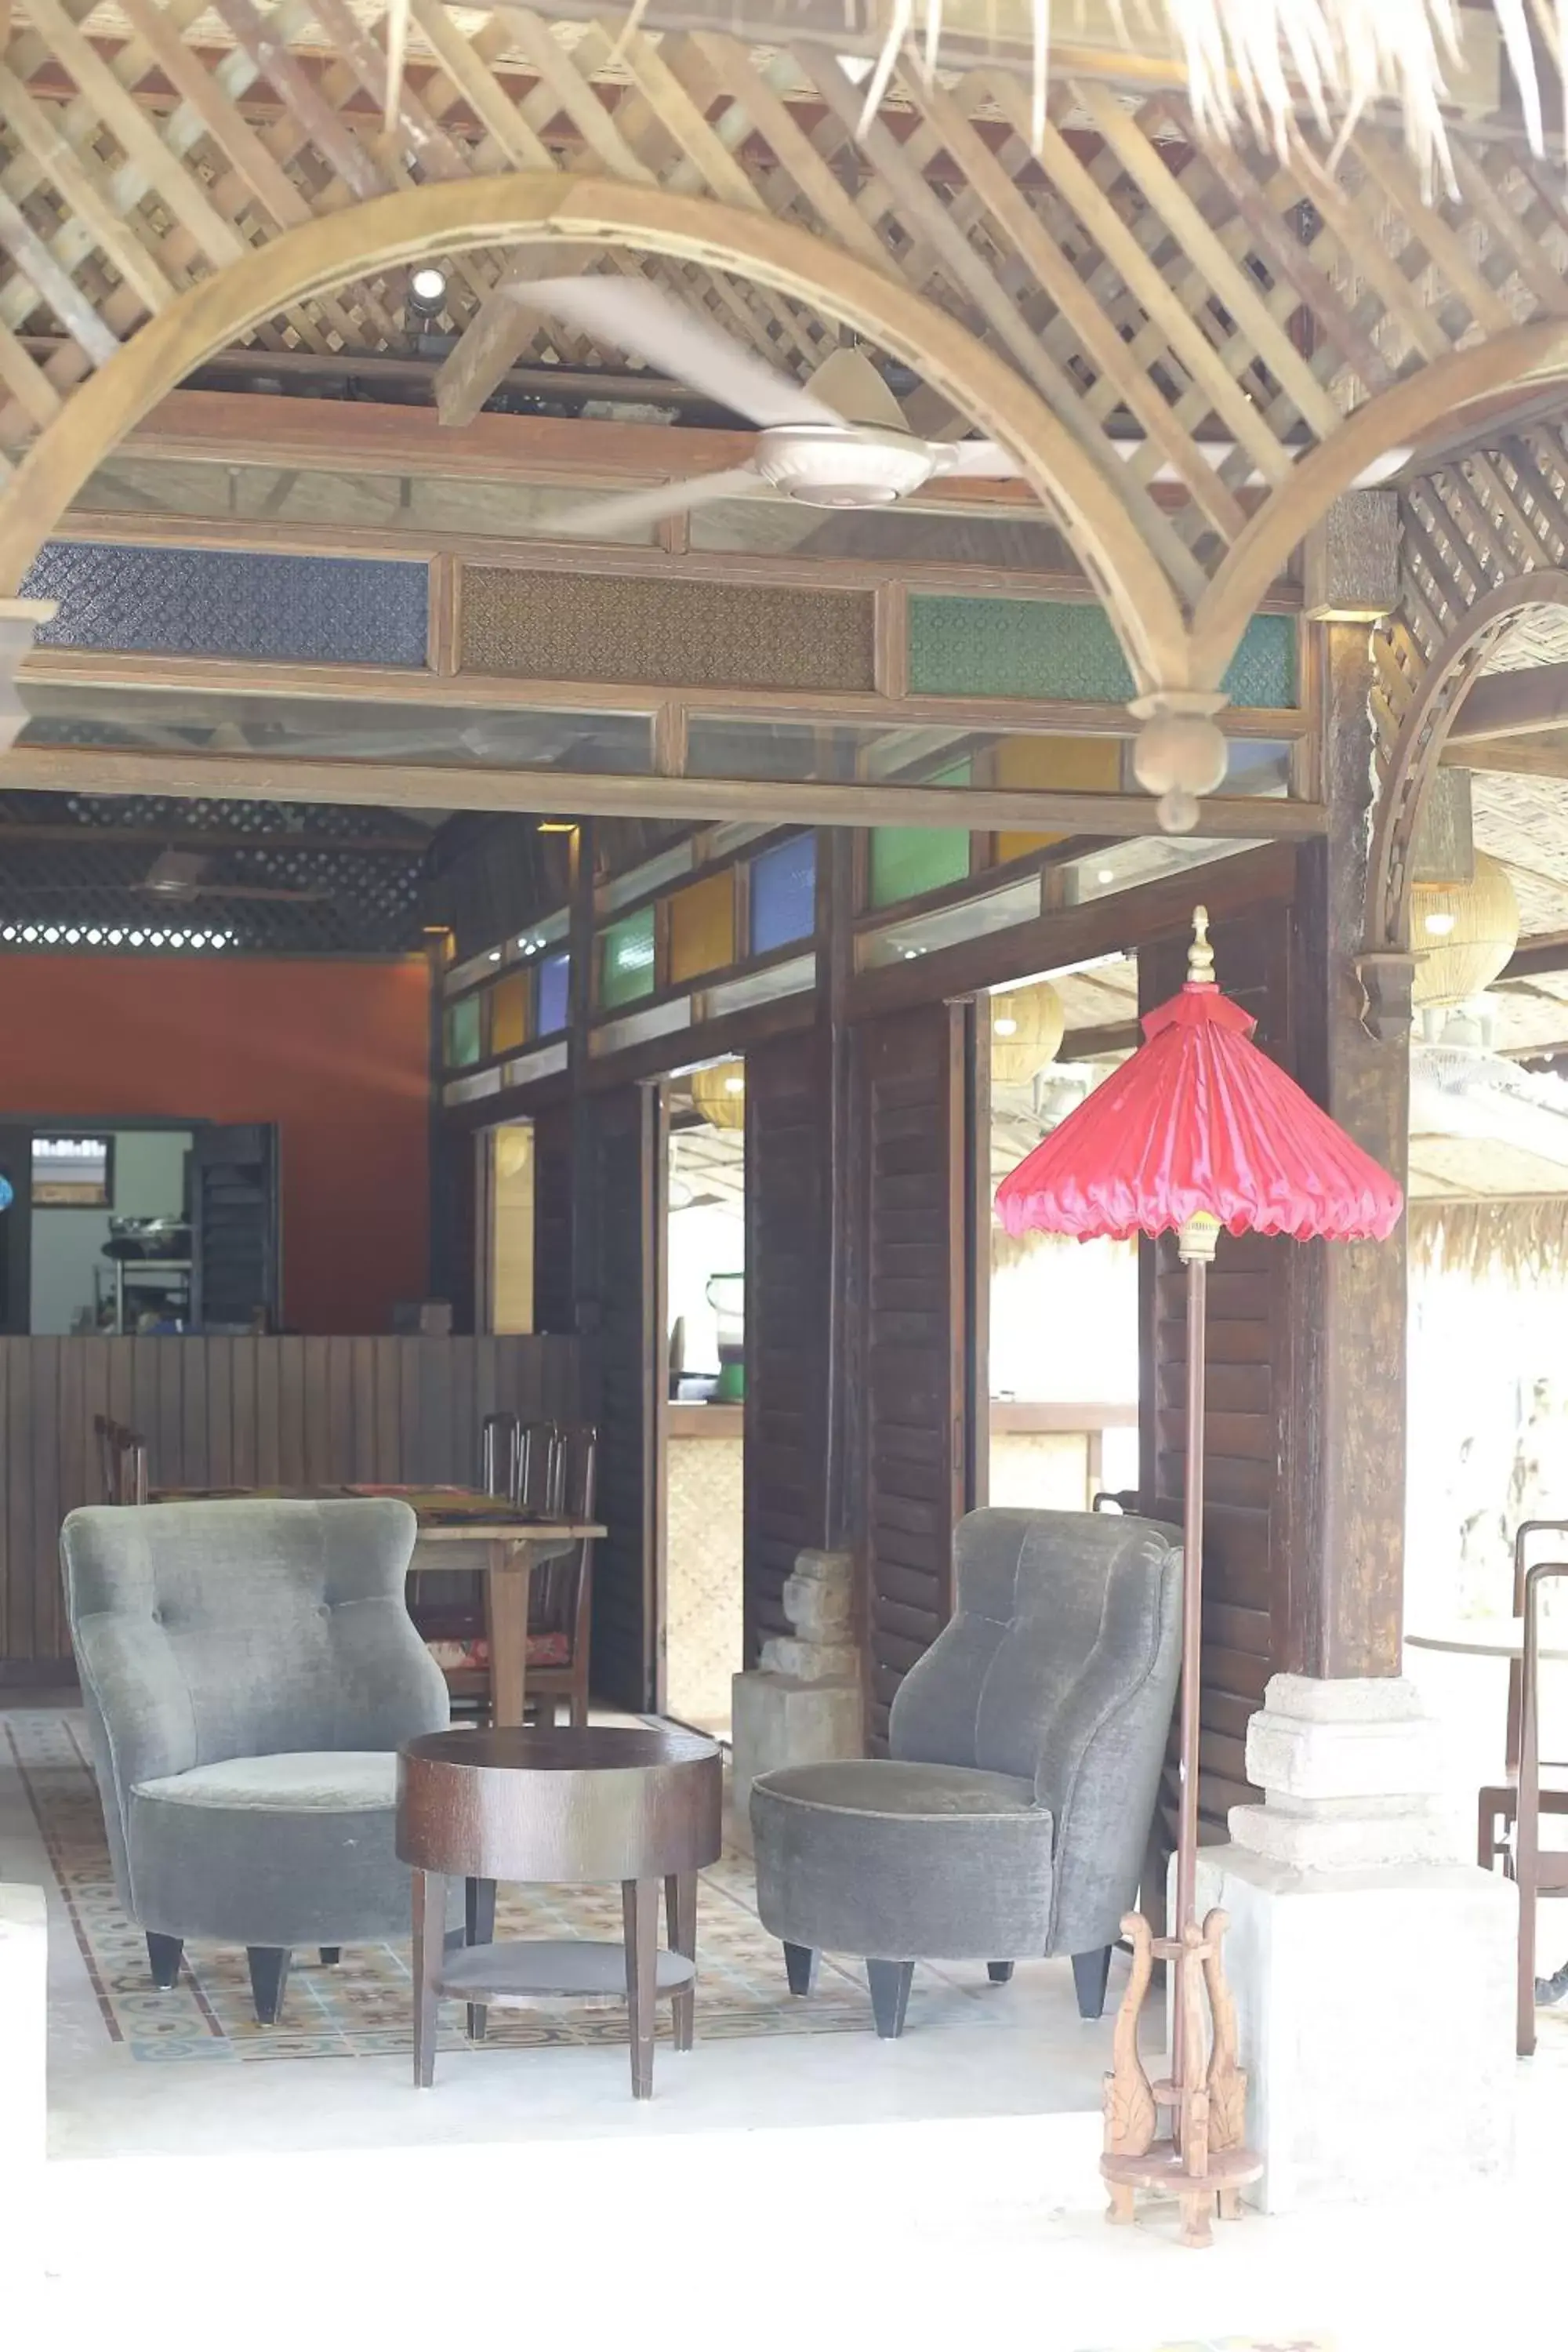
column 447, row 217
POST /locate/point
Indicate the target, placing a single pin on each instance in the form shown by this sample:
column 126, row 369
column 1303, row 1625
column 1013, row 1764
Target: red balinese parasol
column 1199, row 1130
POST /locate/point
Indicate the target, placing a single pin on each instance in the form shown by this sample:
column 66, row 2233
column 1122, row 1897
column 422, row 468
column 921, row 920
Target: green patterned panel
column 465, row 1034
column 626, row 959
column 1069, row 652
column 907, row 860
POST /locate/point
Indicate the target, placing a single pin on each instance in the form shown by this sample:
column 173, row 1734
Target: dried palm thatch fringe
column 1254, row 64
column 1016, row 1249
column 1524, row 1240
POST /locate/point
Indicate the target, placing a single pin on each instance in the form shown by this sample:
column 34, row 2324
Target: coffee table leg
column 640, row 1907
column 680, row 1913
column 429, row 1943
column 479, row 1927
column 506, row 1623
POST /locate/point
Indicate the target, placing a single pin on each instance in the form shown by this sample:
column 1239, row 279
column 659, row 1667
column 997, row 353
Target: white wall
column 149, row 1181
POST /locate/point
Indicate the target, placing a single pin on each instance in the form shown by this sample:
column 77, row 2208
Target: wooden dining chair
column 1538, row 1873
column 1497, row 1804
column 560, row 1594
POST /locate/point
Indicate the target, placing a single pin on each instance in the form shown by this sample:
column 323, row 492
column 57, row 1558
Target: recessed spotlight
column 1106, row 874
column 428, row 289
column 1440, row 925
column 495, row 955
column 1007, row 1027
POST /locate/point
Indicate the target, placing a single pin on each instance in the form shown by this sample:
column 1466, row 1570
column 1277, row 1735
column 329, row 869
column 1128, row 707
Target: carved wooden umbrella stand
column 1197, row 1131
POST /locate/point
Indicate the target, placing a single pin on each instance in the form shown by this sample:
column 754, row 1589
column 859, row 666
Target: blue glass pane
column 173, row 600
column 784, row 893
column 555, row 994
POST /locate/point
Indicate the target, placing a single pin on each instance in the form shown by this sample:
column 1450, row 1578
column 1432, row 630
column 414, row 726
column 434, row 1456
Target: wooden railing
column 240, row 1411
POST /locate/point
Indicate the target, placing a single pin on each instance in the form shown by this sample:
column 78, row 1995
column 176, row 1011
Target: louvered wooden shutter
column 620, row 1315
column 910, row 1089
column 788, row 1270
column 1246, row 1425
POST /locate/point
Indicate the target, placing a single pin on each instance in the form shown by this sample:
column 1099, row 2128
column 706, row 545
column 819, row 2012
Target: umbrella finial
column 1200, row 955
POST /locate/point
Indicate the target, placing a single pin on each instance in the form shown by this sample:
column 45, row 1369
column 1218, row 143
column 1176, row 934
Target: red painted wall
column 336, row 1052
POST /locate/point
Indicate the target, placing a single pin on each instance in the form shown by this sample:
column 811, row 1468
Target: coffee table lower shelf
column 513, row 1973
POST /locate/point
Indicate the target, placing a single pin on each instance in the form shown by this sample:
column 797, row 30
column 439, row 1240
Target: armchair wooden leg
column 164, row 1960
column 1090, row 1974
column 999, row 1972
column 889, row 1981
column 268, row 1975
column 800, row 1967
column 330, row 1955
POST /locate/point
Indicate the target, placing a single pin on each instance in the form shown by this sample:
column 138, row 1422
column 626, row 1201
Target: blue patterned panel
column 784, row 893
column 1069, row 653
column 176, row 600
column 555, row 984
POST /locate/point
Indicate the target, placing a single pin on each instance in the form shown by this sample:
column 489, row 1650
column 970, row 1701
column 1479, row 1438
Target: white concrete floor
column 821, row 2191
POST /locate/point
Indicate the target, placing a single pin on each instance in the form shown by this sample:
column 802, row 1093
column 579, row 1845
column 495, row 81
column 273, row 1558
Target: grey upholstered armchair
column 1012, row 1817
column 248, row 1670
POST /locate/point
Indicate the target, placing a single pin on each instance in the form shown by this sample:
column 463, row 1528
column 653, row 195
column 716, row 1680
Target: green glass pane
column 910, row 859
column 626, row 959
column 463, row 1032
column 1262, row 677
column 1069, row 652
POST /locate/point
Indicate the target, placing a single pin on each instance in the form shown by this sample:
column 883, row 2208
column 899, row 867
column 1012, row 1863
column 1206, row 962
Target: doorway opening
column 703, row 1421
column 1064, row 1315
column 506, row 1218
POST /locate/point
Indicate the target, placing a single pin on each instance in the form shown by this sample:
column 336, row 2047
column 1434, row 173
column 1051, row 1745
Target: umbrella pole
column 1196, row 1245
column 1202, row 2160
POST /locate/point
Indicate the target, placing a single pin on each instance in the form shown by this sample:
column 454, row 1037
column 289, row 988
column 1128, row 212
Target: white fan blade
column 978, row 460
column 599, row 518
column 637, row 317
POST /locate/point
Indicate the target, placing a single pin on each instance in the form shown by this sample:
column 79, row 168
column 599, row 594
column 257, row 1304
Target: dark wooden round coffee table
column 558, row 1807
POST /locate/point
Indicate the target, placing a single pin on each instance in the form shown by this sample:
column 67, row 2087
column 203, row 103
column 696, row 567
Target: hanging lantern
column 720, row 1093
column 1463, row 933
column 1027, row 1029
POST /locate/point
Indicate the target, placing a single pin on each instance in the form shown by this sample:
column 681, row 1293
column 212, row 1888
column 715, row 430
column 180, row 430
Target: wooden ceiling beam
column 500, row 332
column 1544, row 755
column 214, row 837
column 477, row 691
column 1512, row 702
column 549, row 791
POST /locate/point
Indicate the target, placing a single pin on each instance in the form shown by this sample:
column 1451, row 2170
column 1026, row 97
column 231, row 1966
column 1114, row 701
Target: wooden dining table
column 461, row 1529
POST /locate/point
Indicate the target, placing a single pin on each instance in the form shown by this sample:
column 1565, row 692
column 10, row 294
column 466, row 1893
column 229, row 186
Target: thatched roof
column 1520, row 1239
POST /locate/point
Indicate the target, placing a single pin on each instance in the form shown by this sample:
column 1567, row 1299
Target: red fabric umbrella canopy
column 1199, row 1121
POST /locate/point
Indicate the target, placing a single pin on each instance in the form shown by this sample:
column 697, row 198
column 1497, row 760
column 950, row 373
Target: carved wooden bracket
column 1387, row 977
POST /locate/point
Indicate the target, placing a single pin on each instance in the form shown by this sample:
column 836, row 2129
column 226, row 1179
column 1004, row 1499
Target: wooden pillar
column 1347, row 1420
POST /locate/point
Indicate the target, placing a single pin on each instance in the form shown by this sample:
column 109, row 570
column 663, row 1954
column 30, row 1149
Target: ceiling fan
column 839, row 440
column 179, row 875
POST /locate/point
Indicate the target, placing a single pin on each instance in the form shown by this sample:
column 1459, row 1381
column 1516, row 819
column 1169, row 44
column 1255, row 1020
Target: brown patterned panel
column 665, row 632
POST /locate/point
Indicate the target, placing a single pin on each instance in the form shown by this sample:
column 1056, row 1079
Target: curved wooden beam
column 542, row 207
column 1390, row 421
column 1419, row 745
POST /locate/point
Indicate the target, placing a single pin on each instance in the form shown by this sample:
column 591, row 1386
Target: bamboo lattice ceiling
column 1225, row 311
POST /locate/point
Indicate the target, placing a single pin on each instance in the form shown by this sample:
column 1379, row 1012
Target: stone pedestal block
column 23, row 2039
column 778, row 1721
column 1372, row 1965
column 803, row 1704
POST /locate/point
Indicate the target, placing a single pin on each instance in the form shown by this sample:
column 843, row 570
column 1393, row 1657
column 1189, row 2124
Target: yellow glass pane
column 702, row 927
column 1052, row 763
column 509, row 1014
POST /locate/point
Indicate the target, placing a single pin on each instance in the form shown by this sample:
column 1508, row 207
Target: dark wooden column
column 1348, row 1299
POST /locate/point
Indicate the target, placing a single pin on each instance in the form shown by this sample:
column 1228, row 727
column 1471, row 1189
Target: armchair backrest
column 204, row 1631
column 1059, row 1666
